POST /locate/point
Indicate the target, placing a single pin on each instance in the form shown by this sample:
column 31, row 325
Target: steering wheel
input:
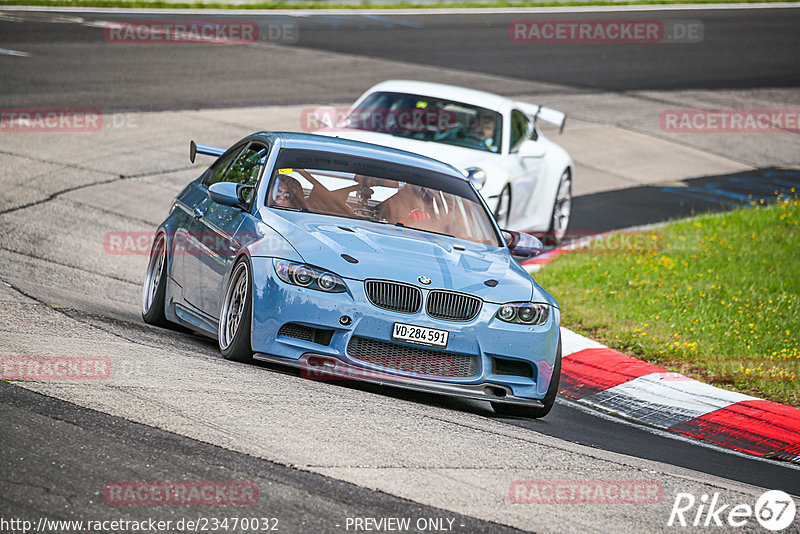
column 477, row 139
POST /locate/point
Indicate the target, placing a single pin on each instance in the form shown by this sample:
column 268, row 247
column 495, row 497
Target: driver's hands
column 416, row 215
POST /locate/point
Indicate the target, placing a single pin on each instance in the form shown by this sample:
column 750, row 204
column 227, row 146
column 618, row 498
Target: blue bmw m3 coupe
column 355, row 261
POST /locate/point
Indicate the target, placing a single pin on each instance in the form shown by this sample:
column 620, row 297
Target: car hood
column 403, row 254
column 458, row 157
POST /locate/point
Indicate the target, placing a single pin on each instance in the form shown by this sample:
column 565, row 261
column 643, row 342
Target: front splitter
column 326, row 368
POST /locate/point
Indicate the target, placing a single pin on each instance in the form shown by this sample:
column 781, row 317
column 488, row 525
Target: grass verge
column 356, row 4
column 716, row 297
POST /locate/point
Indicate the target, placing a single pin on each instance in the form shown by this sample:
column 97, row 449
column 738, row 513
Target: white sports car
column 524, row 177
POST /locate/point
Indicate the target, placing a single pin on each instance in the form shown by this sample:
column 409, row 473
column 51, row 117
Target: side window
column 220, row 167
column 246, row 168
column 519, row 129
column 241, row 167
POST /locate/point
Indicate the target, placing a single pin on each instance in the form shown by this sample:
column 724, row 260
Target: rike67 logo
column 774, row 510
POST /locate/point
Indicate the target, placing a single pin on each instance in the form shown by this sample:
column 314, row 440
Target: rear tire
column 155, row 284
column 562, row 206
column 235, row 317
column 513, row 410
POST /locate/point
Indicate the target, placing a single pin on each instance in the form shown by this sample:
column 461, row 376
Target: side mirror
column 227, row 193
column 522, row 244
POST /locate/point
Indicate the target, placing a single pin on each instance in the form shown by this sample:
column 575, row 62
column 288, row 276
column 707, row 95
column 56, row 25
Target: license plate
column 420, row 335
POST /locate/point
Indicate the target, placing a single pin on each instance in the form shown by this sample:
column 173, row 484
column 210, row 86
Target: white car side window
column 519, row 129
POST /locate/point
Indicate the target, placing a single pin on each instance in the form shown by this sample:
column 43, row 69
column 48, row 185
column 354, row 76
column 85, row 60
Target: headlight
column 476, row 176
column 327, row 281
column 302, row 275
column 524, row 313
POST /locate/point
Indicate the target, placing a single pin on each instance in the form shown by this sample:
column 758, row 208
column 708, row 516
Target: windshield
column 331, row 184
column 428, row 119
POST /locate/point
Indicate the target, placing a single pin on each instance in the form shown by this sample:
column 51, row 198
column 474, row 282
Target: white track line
column 7, row 52
column 572, row 342
column 664, row 399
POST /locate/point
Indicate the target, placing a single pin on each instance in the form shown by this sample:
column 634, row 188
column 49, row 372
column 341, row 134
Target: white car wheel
column 561, row 209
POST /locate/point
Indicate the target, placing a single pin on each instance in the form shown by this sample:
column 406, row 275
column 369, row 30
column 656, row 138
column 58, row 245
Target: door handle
column 199, row 214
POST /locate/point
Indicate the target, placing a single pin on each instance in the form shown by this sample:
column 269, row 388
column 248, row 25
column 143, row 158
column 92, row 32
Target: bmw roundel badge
column 424, row 280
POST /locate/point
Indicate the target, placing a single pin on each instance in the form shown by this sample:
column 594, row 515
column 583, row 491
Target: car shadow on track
column 417, row 397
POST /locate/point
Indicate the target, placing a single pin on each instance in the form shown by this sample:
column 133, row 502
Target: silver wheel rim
column 233, row 306
column 501, row 213
column 154, row 270
column 562, row 207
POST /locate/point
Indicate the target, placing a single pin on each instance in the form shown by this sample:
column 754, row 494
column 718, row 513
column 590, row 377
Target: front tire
column 549, row 399
column 235, row 318
column 155, row 284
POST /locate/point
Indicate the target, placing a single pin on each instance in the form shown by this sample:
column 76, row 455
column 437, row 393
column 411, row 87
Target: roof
column 326, row 143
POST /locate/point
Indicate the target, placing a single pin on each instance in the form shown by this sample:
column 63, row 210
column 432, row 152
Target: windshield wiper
column 287, row 208
column 401, row 225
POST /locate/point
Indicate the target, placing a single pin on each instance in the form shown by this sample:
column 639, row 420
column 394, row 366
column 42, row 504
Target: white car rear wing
column 536, row 112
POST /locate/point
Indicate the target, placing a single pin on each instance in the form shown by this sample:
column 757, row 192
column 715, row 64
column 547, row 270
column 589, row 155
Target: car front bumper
column 485, row 338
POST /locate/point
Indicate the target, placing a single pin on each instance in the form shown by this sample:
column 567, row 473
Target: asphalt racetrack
column 70, row 63
column 322, row 452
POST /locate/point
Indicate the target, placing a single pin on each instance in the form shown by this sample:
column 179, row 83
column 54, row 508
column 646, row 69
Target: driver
column 483, row 126
column 408, row 205
column 289, row 194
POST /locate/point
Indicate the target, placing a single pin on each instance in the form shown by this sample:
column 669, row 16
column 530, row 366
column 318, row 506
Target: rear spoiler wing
column 536, row 112
column 208, row 150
